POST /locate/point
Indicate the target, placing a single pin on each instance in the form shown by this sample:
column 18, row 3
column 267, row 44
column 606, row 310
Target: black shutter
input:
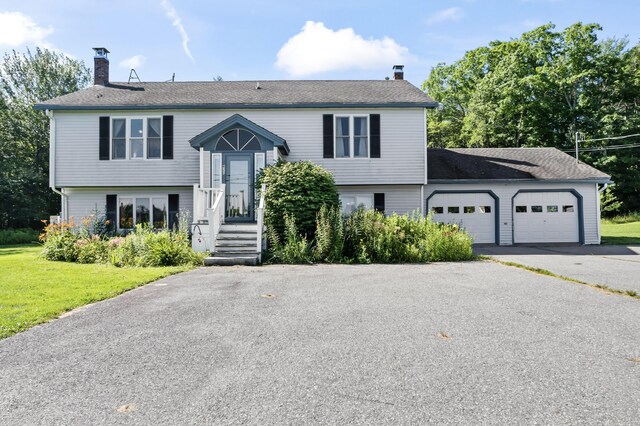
column 327, row 135
column 167, row 137
column 378, row 201
column 173, row 211
column 111, row 213
column 104, row 138
column 375, row 136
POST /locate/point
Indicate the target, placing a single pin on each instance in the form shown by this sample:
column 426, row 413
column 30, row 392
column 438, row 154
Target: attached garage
column 473, row 211
column 546, row 217
column 515, row 195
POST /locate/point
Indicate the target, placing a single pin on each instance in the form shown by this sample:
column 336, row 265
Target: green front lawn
column 34, row 290
column 620, row 233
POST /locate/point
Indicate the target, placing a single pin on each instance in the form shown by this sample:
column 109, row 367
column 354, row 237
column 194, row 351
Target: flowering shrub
column 367, row 236
column 60, row 242
column 89, row 243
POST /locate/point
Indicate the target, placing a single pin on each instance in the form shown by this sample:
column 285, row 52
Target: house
column 142, row 152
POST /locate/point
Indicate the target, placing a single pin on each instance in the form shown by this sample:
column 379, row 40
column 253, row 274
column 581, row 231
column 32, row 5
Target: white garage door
column 473, row 212
column 545, row 217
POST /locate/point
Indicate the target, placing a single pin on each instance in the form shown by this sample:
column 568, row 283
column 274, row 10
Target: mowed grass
column 620, row 233
column 34, row 290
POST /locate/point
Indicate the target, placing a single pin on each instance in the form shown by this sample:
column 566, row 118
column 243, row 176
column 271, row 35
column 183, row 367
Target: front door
column 238, row 180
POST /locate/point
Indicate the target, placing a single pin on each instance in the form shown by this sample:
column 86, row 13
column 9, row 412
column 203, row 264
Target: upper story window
column 136, row 138
column 238, row 140
column 351, row 136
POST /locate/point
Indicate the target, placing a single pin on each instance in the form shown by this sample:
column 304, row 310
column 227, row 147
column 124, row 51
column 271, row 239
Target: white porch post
column 201, row 167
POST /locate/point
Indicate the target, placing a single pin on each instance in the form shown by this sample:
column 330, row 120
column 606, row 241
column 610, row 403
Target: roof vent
column 258, row 85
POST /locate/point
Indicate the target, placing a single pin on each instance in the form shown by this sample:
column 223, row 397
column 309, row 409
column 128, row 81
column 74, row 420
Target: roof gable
column 210, row 136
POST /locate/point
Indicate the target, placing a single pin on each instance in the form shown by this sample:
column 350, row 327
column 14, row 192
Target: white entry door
column 475, row 212
column 545, row 217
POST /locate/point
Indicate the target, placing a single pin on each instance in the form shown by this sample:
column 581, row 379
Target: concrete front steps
column 236, row 245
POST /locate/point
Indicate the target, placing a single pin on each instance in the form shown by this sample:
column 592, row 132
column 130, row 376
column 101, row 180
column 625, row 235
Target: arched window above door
column 238, row 140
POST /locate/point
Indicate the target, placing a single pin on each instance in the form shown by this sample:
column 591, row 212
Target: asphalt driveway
column 462, row 343
column 617, row 267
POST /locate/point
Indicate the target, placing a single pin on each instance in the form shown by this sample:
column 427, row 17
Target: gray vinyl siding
column 84, row 201
column 77, row 162
column 506, row 191
column 402, row 147
column 401, row 199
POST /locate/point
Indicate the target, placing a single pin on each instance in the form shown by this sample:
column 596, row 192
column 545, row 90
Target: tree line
column 25, row 80
column 539, row 90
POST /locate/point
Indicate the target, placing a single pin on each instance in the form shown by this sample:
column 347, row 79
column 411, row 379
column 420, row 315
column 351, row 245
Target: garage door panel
column 545, row 217
column 475, row 212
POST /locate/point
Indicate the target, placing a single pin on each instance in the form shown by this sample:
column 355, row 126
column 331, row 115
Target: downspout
column 604, row 186
column 423, row 208
column 52, row 164
column 600, row 191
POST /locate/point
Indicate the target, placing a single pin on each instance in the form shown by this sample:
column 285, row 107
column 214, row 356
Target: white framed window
column 216, row 170
column 351, row 136
column 136, row 138
column 148, row 210
column 351, row 202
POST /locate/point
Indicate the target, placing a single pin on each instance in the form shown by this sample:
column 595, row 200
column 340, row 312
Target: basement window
column 149, row 211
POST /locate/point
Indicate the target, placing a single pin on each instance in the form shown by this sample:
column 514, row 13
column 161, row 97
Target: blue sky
column 261, row 40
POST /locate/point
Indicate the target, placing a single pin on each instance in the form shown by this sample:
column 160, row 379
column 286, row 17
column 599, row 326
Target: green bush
column 143, row 247
column 92, row 250
column 299, row 189
column 625, row 218
column 294, row 249
column 329, row 235
column 370, row 237
column 18, row 236
column 367, row 236
column 59, row 243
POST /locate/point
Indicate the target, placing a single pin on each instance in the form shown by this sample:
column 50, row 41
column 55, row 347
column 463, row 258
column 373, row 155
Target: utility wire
column 606, row 148
column 612, row 138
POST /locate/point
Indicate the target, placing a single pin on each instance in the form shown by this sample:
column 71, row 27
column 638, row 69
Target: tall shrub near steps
column 299, row 190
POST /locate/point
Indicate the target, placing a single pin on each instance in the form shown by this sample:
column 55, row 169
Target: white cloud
column 133, row 62
column 17, row 29
column 172, row 14
column 319, row 49
column 453, row 14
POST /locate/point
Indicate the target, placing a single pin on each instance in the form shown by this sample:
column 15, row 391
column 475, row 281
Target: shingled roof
column 243, row 95
column 549, row 164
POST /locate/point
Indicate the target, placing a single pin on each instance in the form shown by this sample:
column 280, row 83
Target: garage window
column 454, row 210
column 552, row 209
column 484, row 209
column 437, row 210
column 567, row 209
column 469, row 209
column 521, row 209
column 536, row 209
